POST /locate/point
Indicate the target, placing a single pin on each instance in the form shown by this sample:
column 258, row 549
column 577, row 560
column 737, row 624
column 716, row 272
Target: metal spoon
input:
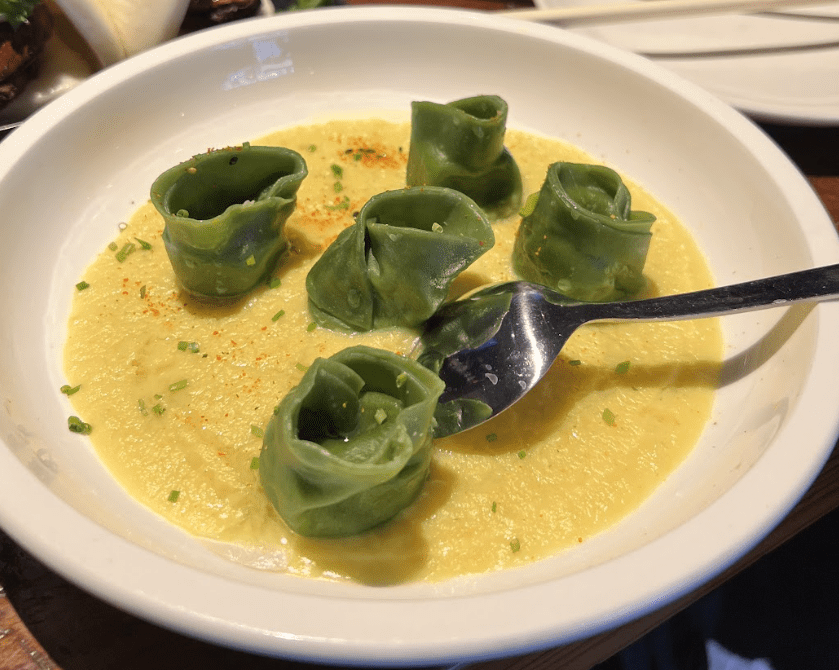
column 494, row 346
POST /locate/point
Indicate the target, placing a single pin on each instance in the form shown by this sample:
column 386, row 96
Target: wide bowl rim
column 103, row 573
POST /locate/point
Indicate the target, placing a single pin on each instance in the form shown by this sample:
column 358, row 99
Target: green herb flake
column 82, row 285
column 275, row 282
column 609, row 417
column 191, row 347
column 529, row 204
column 113, row 246
column 337, row 170
column 492, row 437
column 576, row 361
column 256, row 431
column 69, row 390
column 143, row 244
column 278, row 315
column 173, row 496
column 357, row 157
column 157, row 396
column 142, row 405
column 301, row 367
column 250, row 260
column 522, row 454
column 311, row 327
column 76, row 425
column 158, row 409
column 142, row 292
column 622, row 368
column 127, row 249
column 344, row 204
column 515, row 545
column 337, row 187
column 312, row 148
column 494, row 507
column 255, row 463
column 177, row 386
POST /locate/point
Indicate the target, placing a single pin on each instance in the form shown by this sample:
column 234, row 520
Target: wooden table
column 47, row 623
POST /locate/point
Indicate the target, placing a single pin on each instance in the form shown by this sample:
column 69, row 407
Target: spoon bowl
column 492, row 347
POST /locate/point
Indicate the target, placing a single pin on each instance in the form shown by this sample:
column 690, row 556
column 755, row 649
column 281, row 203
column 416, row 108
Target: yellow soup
column 180, row 428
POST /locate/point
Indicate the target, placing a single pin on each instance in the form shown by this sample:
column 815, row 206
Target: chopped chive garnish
column 274, row 283
column 312, row 148
column 192, row 347
column 257, row 431
column 143, row 244
column 529, row 204
column 311, row 327
column 173, row 496
column 69, row 390
column 255, row 463
column 142, row 405
column 337, row 187
column 492, row 437
column 76, row 425
column 609, row 417
column 113, row 246
column 576, row 361
column 357, row 157
column 278, row 315
column 177, row 386
column 622, row 368
column 142, row 291
column 127, row 249
column 250, row 260
column 522, row 453
column 494, row 507
column 82, row 285
column 515, row 545
column 337, row 170
column 158, row 409
column 157, row 396
column 301, row 367
column 344, row 204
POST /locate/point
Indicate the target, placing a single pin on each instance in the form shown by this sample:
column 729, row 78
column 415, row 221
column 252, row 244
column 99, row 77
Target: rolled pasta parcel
column 350, row 446
column 583, row 239
column 225, row 214
column 394, row 266
column 460, row 145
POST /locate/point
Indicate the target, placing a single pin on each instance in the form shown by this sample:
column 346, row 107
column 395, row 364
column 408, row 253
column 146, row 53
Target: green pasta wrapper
column 393, row 267
column 225, row 214
column 350, row 446
column 460, row 145
column 582, row 239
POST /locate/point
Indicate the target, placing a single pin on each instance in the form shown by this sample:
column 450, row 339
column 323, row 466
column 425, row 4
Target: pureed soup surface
column 180, row 426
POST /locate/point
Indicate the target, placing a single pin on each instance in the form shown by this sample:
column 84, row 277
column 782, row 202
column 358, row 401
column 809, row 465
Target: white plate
column 780, row 66
column 85, row 162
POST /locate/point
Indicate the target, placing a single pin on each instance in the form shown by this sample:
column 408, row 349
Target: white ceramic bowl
column 86, row 161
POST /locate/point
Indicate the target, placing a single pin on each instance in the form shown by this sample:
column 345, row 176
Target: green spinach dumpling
column 582, row 239
column 225, row 214
column 393, row 267
column 350, row 446
column 460, row 145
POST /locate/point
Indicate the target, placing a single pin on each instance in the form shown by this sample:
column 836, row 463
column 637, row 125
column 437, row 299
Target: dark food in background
column 20, row 51
column 206, row 13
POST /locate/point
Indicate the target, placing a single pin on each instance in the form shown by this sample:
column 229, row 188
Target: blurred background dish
column 776, row 66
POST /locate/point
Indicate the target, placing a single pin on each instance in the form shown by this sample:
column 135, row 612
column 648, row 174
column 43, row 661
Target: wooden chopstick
column 656, row 9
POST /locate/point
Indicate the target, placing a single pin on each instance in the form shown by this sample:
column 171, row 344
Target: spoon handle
column 815, row 284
